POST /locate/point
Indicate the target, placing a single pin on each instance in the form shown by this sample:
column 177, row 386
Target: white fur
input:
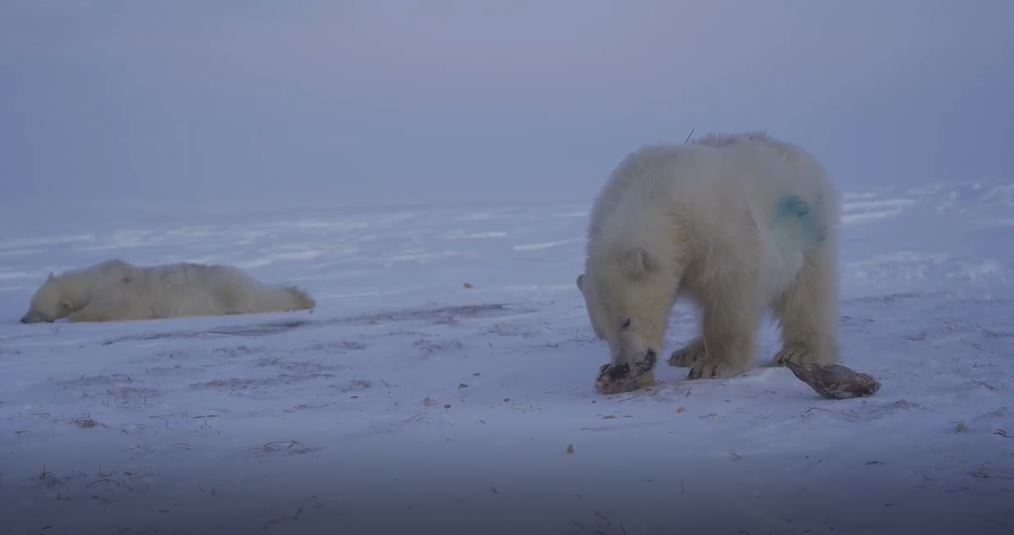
column 737, row 224
column 115, row 290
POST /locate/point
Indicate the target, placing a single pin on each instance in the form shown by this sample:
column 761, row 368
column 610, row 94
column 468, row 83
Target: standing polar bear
column 738, row 225
column 115, row 290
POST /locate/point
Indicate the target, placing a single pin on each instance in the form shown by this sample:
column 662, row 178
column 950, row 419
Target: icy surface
column 412, row 402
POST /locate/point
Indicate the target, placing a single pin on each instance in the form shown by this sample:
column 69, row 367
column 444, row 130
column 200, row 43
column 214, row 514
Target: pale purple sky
column 399, row 102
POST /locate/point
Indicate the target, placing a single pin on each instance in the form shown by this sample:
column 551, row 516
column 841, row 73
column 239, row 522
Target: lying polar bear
column 738, row 225
column 115, row 290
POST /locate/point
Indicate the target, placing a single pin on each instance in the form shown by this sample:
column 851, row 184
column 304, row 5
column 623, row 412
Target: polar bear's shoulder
column 115, row 263
column 650, row 156
column 755, row 139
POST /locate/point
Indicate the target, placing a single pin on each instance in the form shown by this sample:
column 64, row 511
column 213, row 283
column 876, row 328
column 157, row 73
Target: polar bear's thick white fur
column 737, row 224
column 115, row 290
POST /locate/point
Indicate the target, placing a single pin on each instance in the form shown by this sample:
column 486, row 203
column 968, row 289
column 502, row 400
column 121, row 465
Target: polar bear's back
column 185, row 289
column 719, row 201
column 711, row 184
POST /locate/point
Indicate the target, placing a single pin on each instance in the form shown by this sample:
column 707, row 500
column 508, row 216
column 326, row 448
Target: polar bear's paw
column 689, row 354
column 711, row 367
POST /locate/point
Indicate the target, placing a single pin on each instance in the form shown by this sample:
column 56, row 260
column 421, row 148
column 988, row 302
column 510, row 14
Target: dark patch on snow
column 428, row 347
column 306, row 367
column 283, row 448
column 450, row 315
column 356, row 385
column 263, row 329
column 337, row 347
column 886, row 298
column 238, row 384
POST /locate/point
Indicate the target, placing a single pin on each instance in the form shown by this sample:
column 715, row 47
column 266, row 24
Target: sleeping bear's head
column 628, row 299
column 50, row 302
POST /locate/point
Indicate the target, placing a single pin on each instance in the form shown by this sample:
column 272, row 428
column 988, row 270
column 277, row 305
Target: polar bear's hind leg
column 807, row 311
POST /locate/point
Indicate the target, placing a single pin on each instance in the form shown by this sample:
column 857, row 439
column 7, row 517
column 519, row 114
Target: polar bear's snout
column 637, row 365
column 35, row 317
column 632, row 347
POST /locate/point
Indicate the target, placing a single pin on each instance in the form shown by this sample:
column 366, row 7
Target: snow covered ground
column 408, row 402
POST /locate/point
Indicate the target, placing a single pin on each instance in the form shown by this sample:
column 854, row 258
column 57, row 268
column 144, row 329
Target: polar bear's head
column 628, row 297
column 51, row 302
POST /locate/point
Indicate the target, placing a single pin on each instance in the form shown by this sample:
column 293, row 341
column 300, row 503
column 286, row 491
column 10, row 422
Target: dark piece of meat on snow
column 834, row 381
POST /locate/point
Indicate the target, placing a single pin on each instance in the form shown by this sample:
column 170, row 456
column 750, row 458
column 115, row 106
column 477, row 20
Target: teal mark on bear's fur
column 797, row 218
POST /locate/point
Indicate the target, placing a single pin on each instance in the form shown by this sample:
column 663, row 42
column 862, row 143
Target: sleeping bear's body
column 115, row 290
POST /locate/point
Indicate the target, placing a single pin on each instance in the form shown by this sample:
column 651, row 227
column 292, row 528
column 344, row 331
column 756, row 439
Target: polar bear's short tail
column 301, row 299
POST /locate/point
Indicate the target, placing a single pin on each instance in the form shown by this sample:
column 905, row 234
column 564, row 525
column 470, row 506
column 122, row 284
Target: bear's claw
column 711, row 367
column 796, row 356
column 688, row 355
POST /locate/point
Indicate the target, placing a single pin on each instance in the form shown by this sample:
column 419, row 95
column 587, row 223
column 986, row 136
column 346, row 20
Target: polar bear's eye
column 66, row 305
column 624, row 323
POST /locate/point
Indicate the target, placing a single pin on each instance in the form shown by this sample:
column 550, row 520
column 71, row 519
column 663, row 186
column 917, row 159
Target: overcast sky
column 398, row 102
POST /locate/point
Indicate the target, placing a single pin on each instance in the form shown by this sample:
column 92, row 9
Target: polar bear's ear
column 50, row 277
column 580, row 282
column 639, row 261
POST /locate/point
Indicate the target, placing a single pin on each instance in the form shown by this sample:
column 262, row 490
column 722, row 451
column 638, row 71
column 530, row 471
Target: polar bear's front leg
column 91, row 312
column 730, row 322
column 107, row 309
column 728, row 354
